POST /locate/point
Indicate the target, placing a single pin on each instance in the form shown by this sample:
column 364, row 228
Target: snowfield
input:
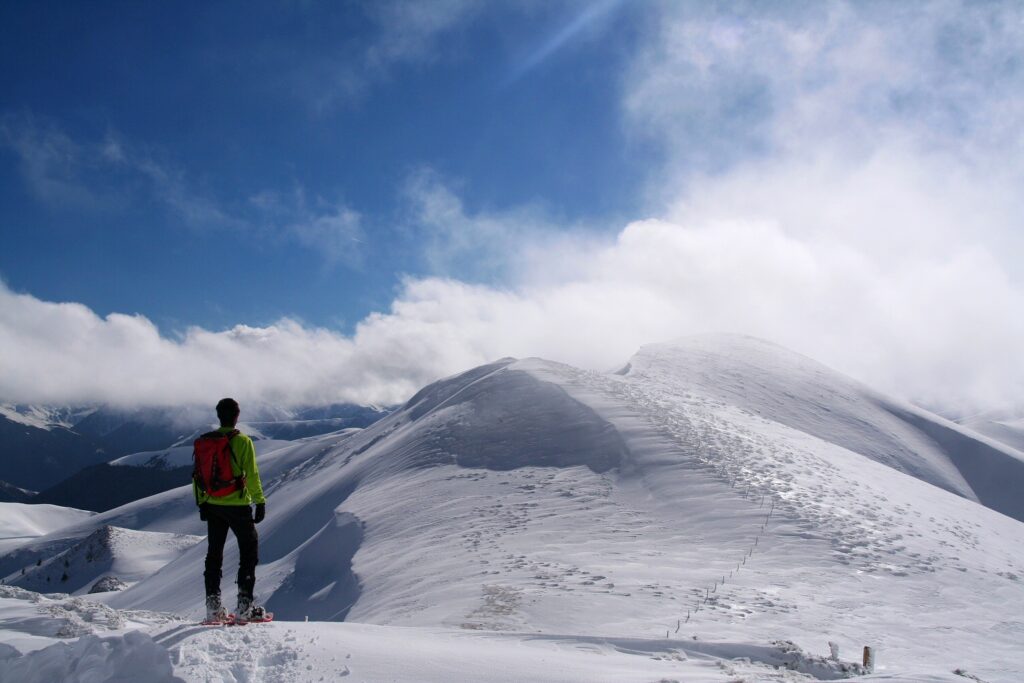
column 21, row 522
column 718, row 510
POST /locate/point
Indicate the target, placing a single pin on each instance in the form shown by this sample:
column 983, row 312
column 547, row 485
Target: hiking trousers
column 237, row 518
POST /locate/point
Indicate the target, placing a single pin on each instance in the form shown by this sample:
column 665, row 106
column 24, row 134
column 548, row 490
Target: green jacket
column 245, row 457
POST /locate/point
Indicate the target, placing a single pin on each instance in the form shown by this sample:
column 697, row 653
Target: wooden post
column 869, row 659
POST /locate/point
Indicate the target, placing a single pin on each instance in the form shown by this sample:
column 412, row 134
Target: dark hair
column 228, row 410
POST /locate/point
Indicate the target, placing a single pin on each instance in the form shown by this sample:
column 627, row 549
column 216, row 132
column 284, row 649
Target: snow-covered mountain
column 20, row 523
column 35, row 454
column 109, row 551
column 1006, row 426
column 795, row 391
column 63, row 452
column 716, row 490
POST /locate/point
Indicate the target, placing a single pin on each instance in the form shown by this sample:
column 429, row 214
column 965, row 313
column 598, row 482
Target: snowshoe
column 259, row 616
column 216, row 615
column 249, row 612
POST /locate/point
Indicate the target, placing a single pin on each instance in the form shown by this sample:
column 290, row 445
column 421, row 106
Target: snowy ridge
column 1006, row 427
column 44, row 417
column 787, row 388
column 719, row 488
column 21, row 522
column 181, row 456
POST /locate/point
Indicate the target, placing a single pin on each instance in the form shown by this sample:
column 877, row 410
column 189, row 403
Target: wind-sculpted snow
column 700, row 509
column 1007, row 427
column 322, row 585
column 994, row 474
column 508, row 419
column 132, row 657
column 778, row 385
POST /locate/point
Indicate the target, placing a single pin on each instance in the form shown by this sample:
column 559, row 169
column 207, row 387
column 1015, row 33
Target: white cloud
column 839, row 178
column 331, row 229
column 55, row 167
column 402, row 33
column 881, row 141
column 486, row 246
column 921, row 329
column 409, row 30
column 724, row 84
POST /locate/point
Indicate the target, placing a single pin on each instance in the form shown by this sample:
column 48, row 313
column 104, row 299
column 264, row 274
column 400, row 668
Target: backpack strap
column 240, row 479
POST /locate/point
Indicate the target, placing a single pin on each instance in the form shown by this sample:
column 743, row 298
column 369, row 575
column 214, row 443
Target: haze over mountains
column 717, row 487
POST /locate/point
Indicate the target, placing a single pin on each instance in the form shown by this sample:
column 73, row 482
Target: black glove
column 261, row 512
column 202, row 513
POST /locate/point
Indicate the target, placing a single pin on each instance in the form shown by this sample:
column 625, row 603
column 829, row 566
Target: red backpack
column 212, row 460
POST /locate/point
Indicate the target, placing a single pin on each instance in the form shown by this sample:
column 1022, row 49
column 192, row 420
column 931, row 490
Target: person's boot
column 248, row 610
column 215, row 612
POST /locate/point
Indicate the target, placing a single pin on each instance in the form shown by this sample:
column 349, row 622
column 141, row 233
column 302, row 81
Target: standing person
column 226, row 482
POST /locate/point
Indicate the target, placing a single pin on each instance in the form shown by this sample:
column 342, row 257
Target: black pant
column 238, row 518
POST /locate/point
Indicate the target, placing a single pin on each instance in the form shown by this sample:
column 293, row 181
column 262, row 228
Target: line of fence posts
column 749, row 553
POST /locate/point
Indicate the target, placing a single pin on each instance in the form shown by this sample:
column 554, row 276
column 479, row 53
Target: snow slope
column 117, row 645
column 1005, row 426
column 718, row 488
column 172, row 511
column 109, row 551
column 790, row 389
column 21, row 522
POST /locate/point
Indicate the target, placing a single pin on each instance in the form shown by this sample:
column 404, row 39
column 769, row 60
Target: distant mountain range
column 63, row 452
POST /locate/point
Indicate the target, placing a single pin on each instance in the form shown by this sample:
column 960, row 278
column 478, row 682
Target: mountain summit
column 719, row 485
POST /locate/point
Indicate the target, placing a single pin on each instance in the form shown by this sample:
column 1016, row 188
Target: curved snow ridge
column 836, row 492
column 775, row 384
column 24, row 520
column 501, row 416
column 322, row 584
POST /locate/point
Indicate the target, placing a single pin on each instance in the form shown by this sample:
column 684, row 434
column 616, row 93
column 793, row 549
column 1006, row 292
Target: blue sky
column 309, row 202
column 234, row 101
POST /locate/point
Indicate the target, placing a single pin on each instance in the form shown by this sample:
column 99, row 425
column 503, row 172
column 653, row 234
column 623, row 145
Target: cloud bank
column 918, row 330
column 841, row 179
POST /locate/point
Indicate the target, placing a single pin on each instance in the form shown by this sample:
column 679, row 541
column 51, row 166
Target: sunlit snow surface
column 21, row 522
column 531, row 521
